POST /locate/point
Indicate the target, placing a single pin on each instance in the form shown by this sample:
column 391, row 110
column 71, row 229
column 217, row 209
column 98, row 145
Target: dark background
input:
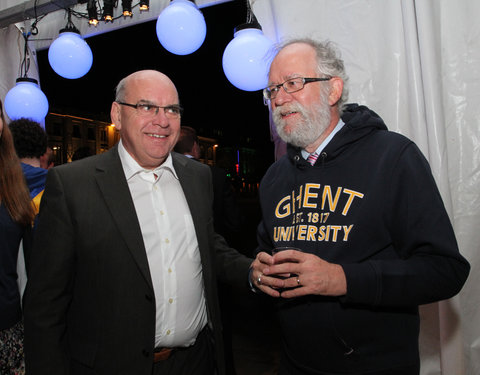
column 213, row 106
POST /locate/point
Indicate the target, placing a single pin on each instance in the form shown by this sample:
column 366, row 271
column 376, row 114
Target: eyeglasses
column 290, row 86
column 150, row 110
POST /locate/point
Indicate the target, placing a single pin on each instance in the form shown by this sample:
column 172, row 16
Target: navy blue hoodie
column 370, row 204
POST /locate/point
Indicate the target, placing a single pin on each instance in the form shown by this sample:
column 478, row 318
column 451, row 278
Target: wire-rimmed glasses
column 290, row 86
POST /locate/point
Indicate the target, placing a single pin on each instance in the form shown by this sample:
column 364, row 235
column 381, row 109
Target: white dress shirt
column 172, row 251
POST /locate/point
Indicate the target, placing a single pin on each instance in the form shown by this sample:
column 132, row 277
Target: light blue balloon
column 247, row 58
column 70, row 56
column 181, row 27
column 25, row 99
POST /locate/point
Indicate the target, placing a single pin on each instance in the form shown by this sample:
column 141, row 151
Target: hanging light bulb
column 25, row 99
column 181, row 28
column 144, row 4
column 108, row 10
column 69, row 55
column 127, row 8
column 93, row 21
column 247, row 57
column 92, row 12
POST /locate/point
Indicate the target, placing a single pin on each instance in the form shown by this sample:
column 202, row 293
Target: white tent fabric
column 417, row 64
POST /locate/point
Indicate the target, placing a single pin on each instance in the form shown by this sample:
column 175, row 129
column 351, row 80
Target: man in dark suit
column 123, row 273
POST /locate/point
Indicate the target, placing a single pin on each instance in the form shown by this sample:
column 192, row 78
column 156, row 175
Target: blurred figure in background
column 30, row 142
column 16, row 218
column 82, row 152
column 225, row 208
column 46, row 160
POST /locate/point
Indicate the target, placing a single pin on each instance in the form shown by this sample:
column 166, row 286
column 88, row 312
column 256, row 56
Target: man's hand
column 267, row 284
column 309, row 274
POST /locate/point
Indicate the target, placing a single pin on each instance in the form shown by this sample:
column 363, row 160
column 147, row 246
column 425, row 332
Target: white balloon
column 181, row 27
column 70, row 56
column 247, row 58
column 25, row 99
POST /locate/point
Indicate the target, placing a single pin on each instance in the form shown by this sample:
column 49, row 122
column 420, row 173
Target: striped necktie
column 312, row 158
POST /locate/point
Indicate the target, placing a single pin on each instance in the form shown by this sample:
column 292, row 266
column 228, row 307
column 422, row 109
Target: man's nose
column 160, row 118
column 282, row 97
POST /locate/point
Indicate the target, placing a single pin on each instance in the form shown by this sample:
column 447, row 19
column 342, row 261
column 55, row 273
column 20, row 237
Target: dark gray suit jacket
column 89, row 303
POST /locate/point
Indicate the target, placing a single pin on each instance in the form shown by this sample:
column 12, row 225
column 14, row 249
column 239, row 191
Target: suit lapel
column 113, row 185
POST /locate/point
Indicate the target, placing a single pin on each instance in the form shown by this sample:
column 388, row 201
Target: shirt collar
column 132, row 168
column 326, row 140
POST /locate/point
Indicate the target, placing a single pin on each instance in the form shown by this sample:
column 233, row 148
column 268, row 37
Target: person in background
column 188, row 143
column 46, row 160
column 30, row 142
column 82, row 152
column 367, row 235
column 226, row 221
column 16, row 218
column 123, row 276
column 226, row 214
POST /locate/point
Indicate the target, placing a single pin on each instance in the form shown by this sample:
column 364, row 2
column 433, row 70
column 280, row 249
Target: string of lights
column 95, row 9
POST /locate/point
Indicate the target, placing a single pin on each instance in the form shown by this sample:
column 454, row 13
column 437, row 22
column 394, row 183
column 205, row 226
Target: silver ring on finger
column 298, row 281
column 259, row 280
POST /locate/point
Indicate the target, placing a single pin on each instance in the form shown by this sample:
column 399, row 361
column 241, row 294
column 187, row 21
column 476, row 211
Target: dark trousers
column 197, row 359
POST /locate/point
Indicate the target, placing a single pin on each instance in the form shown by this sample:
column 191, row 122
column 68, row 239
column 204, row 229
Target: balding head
column 139, row 76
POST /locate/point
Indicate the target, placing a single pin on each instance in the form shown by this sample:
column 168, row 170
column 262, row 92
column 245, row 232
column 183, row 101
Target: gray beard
column 308, row 129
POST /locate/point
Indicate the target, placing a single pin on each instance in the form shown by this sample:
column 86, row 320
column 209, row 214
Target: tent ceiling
column 53, row 12
column 28, row 10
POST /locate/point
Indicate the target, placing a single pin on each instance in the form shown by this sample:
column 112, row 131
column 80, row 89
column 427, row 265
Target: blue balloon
column 181, row 28
column 247, row 58
column 70, row 56
column 26, row 100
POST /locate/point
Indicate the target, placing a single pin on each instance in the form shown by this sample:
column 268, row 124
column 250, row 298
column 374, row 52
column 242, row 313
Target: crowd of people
column 125, row 257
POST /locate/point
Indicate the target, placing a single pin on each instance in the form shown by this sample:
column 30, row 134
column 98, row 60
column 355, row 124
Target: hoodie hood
column 35, row 177
column 359, row 121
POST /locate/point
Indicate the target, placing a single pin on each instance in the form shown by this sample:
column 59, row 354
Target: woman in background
column 16, row 218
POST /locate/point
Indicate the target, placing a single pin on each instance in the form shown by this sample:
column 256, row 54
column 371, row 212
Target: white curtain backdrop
column 417, row 64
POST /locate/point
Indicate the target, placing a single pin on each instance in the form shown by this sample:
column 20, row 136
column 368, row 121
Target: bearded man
column 367, row 235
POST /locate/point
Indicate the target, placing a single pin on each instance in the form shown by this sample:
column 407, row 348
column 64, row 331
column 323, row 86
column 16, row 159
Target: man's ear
column 115, row 115
column 336, row 89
